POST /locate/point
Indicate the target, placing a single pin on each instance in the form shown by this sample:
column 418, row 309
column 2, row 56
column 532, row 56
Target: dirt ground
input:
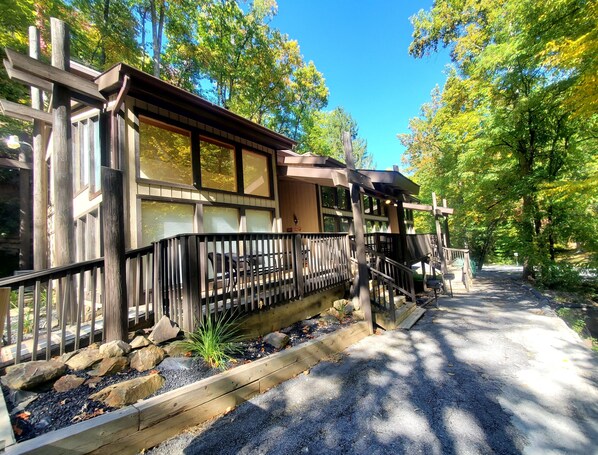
column 492, row 371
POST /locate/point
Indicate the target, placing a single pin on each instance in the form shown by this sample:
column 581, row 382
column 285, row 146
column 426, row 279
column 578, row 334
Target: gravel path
column 489, row 372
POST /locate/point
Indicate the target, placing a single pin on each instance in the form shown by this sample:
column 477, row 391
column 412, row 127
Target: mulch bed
column 45, row 410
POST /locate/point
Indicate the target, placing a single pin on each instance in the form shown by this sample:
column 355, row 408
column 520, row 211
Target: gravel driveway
column 489, row 372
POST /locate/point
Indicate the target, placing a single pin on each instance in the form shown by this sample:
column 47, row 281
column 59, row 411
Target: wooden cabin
column 193, row 167
column 219, row 214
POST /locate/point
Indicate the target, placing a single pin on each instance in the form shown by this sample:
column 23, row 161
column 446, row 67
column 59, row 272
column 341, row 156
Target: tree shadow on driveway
column 461, row 381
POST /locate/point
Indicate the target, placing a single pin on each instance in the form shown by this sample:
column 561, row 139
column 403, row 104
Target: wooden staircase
column 406, row 314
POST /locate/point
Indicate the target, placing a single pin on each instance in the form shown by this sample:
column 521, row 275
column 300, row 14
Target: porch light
column 13, row 142
column 388, row 201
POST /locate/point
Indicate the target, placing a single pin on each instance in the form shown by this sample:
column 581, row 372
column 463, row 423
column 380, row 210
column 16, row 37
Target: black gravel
column 49, row 410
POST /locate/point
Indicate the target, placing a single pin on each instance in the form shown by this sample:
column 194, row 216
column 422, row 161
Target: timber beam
column 23, row 112
column 82, row 89
column 428, row 208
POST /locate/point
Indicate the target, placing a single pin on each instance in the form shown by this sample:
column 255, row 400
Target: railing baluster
column 49, row 303
column 80, row 308
column 36, row 316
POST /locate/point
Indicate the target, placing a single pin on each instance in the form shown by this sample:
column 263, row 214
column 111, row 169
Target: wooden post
column 402, row 231
column 62, row 170
column 25, row 212
column 299, row 260
column 40, row 187
column 446, row 226
column 363, row 289
column 116, row 318
column 438, row 234
column 4, row 308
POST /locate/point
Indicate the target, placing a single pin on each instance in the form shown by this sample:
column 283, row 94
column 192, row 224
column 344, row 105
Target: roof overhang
column 155, row 91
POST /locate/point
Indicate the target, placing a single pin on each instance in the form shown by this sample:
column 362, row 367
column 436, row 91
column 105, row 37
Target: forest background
column 510, row 139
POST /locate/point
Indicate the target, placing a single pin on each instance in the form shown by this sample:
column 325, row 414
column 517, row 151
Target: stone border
column 149, row 422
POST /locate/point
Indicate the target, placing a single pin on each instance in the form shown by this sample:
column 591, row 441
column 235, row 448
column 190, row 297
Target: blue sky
column 361, row 48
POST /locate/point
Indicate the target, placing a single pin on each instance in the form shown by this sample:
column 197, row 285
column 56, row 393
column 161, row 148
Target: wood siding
column 300, row 200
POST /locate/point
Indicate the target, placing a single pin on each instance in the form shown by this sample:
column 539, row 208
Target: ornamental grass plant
column 215, row 340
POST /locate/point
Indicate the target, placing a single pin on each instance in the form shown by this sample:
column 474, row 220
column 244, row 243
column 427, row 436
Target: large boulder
column 164, row 330
column 147, row 358
column 84, row 359
column 176, row 349
column 110, row 365
column 277, row 340
column 129, row 392
column 116, row 348
column 28, row 375
column 68, row 382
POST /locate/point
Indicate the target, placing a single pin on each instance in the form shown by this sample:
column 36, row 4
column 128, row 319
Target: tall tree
column 514, row 117
column 325, row 137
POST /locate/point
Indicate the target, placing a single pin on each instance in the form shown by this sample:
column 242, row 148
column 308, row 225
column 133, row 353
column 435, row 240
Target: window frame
column 196, row 133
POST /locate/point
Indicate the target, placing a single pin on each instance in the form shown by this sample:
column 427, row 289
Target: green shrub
column 559, row 276
column 215, row 340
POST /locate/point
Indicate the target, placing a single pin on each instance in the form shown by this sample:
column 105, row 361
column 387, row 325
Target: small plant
column 215, row 340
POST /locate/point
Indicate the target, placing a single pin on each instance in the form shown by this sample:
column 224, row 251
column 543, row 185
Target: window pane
column 330, row 224
column 345, row 224
column 367, row 204
column 256, row 174
column 84, row 150
column 328, row 197
column 97, row 155
column 164, row 219
column 221, row 220
column 218, row 166
column 164, row 152
column 343, row 199
column 258, row 220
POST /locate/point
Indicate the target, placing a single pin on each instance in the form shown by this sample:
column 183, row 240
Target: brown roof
column 165, row 95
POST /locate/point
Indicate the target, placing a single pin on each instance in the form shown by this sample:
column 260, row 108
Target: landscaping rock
column 139, row 342
column 164, row 330
column 129, row 392
column 93, row 382
column 31, row 374
column 117, row 348
column 335, row 313
column 343, row 305
column 358, row 315
column 176, row 350
column 147, row 358
column 68, row 382
column 109, row 366
column 20, row 399
column 84, row 359
column 277, row 340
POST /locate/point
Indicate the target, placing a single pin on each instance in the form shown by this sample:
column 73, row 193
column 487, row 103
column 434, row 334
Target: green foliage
column 572, row 319
column 214, row 340
column 505, row 139
column 559, row 276
column 324, row 137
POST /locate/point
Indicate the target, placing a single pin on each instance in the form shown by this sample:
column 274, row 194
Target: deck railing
column 200, row 274
column 459, row 258
column 389, row 279
column 59, row 309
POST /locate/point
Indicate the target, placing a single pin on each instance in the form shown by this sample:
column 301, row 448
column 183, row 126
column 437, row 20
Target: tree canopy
column 223, row 50
column 512, row 135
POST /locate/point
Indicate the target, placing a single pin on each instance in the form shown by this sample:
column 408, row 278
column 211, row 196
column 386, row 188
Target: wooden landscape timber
column 146, row 424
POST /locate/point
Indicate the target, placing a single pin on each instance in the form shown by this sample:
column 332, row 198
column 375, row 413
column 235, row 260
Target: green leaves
column 504, row 129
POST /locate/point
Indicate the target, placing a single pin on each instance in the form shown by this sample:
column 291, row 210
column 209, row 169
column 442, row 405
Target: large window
column 164, row 152
column 165, row 219
column 256, row 174
column 335, row 198
column 218, row 165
